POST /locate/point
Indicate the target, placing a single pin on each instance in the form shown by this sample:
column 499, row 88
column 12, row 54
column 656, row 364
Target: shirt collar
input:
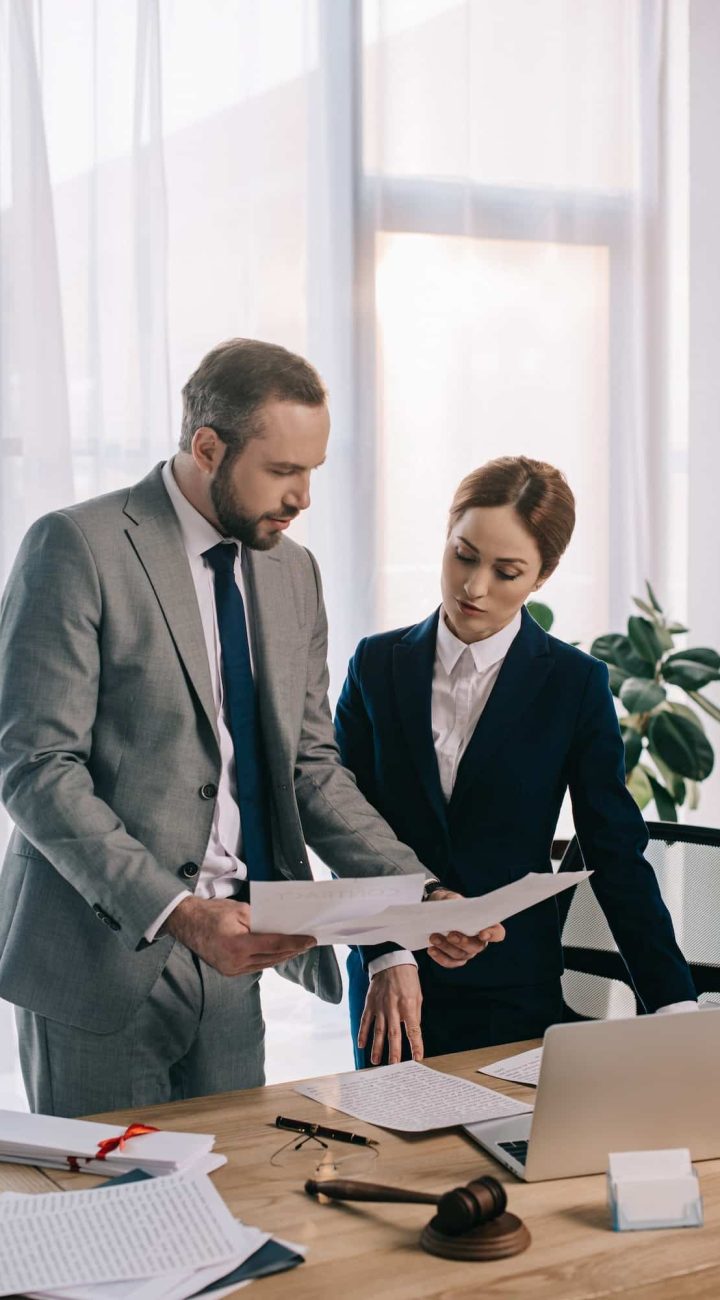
column 197, row 531
column 485, row 653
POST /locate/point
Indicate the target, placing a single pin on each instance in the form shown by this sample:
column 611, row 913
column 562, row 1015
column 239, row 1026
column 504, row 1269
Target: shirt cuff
column 401, row 957
column 672, row 1007
column 152, row 930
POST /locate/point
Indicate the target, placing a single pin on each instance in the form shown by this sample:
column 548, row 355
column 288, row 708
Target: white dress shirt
column 222, row 865
column 463, row 679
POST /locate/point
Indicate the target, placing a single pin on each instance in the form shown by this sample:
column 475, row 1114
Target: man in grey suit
column 165, row 737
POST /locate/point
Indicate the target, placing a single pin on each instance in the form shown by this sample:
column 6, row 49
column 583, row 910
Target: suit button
column 208, row 791
column 189, row 870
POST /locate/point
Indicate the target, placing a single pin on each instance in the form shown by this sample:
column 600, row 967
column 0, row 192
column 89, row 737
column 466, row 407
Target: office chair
column 686, row 861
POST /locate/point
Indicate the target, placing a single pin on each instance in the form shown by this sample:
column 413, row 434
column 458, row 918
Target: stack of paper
column 411, row 1097
column 75, row 1144
column 384, row 909
column 163, row 1239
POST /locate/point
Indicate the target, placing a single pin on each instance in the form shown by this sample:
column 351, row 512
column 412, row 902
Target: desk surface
column 372, row 1251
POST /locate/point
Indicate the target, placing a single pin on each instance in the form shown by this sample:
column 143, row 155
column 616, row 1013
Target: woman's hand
column 394, row 999
column 455, row 949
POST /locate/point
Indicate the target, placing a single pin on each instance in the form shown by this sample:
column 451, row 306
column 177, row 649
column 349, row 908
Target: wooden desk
column 372, row 1252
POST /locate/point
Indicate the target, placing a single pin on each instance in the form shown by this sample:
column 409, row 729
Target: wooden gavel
column 471, row 1222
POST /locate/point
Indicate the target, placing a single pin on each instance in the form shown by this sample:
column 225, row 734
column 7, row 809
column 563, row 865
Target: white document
column 57, row 1143
column 312, row 906
column 410, row 1097
column 170, row 1225
column 176, row 1286
column 169, row 1286
column 409, row 924
column 523, row 1068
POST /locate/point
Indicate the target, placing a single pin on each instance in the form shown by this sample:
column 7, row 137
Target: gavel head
column 465, row 1208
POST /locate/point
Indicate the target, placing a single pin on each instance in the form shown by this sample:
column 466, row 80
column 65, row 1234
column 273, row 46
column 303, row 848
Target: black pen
column 317, row 1130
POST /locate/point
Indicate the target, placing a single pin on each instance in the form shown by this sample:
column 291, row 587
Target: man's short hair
column 235, row 380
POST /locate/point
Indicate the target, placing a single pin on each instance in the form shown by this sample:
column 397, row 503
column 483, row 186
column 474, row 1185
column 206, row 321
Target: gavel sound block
column 472, row 1222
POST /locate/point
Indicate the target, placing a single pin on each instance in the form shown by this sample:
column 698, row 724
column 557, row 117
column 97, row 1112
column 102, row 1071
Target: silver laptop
column 615, row 1085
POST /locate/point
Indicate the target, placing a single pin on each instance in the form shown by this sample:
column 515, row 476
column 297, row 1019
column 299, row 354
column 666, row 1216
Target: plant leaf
column 638, row 783
column 614, row 648
column 617, row 677
column 673, row 782
column 664, row 637
column 691, row 676
column 682, row 745
column 640, row 696
column 643, row 605
column 606, row 647
column 706, row 705
column 653, row 597
column 664, row 802
column 693, row 790
column 684, row 711
column 703, row 655
column 644, row 639
column 632, row 740
column 676, row 628
column 541, row 613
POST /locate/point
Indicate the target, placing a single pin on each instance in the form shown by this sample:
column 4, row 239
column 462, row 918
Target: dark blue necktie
column 242, row 713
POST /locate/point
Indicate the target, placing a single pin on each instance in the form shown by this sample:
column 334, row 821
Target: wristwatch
column 431, row 887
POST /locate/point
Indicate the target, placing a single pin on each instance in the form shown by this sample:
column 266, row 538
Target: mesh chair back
column 686, row 861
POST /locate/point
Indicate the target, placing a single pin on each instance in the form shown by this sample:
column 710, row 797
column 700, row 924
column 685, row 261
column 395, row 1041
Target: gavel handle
column 346, row 1189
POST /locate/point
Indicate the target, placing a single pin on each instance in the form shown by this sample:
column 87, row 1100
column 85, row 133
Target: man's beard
column 233, row 521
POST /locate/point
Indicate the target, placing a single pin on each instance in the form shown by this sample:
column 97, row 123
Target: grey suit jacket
column 108, row 733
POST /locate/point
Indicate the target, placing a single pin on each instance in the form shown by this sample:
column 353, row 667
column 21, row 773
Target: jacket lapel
column 413, row 661
column 521, row 678
column 272, row 597
column 154, row 533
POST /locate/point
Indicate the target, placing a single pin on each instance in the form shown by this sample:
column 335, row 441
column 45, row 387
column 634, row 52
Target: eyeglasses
column 313, row 1150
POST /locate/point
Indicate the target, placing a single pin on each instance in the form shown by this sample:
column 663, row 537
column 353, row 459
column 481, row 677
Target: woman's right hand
column 394, row 999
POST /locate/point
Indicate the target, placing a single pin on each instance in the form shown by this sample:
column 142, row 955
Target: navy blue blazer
column 549, row 726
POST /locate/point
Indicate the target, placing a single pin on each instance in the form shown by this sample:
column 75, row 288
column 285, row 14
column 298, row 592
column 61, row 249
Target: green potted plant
column 667, row 753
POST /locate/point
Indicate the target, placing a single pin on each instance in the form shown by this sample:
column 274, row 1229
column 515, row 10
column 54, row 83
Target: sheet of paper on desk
column 165, row 1226
column 523, row 1068
column 411, row 925
column 410, row 1097
column 308, row 906
column 260, row 1255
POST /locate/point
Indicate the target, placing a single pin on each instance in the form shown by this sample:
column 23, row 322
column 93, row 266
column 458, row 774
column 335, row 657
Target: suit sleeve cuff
column 672, row 1007
column 401, row 957
column 151, row 932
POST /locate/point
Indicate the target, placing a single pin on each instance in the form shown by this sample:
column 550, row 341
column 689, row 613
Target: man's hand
column 218, row 930
column 394, row 999
column 456, row 949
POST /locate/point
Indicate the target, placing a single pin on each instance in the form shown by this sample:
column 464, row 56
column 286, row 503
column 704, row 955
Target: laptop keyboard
column 518, row 1150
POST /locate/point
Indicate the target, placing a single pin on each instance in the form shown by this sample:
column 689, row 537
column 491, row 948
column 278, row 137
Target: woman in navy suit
column 465, row 731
